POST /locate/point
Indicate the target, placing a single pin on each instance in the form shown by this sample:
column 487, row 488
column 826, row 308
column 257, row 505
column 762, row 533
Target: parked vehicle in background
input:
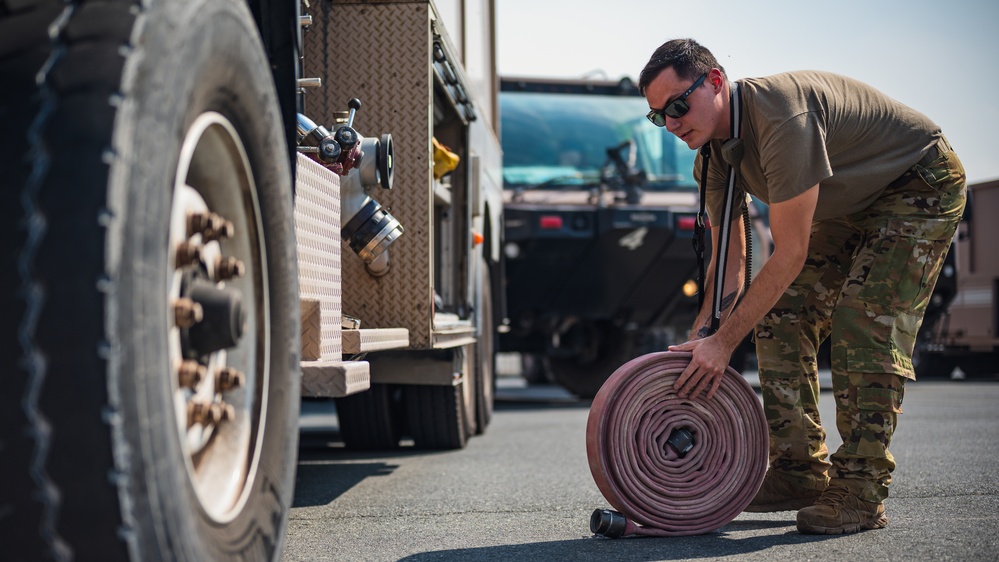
column 962, row 319
column 439, row 281
column 599, row 209
column 191, row 243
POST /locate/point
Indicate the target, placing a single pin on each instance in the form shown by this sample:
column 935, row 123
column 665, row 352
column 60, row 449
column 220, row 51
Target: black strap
column 732, row 153
column 698, row 240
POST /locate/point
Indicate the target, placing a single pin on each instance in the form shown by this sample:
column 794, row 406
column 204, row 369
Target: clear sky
column 941, row 58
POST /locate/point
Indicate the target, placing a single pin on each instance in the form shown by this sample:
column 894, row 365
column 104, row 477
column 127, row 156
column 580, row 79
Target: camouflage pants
column 865, row 284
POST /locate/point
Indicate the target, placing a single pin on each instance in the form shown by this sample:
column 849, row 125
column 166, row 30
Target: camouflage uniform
column 865, row 284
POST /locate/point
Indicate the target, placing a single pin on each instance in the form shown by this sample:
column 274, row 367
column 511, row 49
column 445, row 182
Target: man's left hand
column 708, row 363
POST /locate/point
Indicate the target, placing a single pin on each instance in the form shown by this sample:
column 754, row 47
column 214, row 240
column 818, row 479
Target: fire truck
column 212, row 209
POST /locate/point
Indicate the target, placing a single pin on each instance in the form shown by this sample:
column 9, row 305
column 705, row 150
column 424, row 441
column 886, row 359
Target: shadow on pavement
column 714, row 545
column 509, row 405
column 514, row 393
column 320, row 484
column 326, row 469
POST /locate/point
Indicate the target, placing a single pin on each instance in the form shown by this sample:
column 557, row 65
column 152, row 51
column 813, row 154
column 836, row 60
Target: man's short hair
column 688, row 58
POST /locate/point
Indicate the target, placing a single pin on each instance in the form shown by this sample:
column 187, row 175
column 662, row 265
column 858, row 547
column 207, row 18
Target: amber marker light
column 690, row 288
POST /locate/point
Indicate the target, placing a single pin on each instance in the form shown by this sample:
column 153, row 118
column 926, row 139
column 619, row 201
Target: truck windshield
column 556, row 140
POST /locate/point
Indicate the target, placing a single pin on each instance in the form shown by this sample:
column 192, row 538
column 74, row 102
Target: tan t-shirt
column 808, row 127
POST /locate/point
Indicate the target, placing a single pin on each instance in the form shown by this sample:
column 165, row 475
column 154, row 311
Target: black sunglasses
column 676, row 108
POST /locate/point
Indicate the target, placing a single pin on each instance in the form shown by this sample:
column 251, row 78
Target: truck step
column 374, row 339
column 451, row 331
column 333, row 379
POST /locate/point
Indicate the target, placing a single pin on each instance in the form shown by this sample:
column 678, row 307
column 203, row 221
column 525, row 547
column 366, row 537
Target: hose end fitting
column 608, row 523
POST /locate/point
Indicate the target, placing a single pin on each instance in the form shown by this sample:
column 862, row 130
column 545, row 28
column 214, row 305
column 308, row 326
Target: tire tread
column 436, row 416
column 63, row 412
column 369, row 420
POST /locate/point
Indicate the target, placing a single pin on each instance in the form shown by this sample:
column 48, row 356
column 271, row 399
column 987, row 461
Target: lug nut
column 202, row 413
column 228, row 378
column 211, row 226
column 226, row 411
column 197, row 223
column 188, row 254
column 209, row 413
column 227, row 268
column 187, row 313
column 191, row 373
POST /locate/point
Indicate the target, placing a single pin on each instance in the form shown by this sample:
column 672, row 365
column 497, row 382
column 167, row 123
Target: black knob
column 346, row 137
column 354, row 104
column 384, row 161
column 329, row 150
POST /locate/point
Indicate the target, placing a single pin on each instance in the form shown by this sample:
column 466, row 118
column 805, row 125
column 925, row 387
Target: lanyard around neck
column 732, row 153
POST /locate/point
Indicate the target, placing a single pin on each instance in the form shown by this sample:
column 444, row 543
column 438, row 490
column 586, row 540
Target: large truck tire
column 982, row 363
column 371, row 420
column 142, row 113
column 465, row 363
column 435, row 416
column 443, row 417
column 932, row 365
column 607, row 348
column 485, row 355
column 24, row 48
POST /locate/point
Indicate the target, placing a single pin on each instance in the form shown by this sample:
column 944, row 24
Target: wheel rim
column 219, row 385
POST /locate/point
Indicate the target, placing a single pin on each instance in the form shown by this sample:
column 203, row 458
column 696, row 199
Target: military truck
column 599, row 209
column 959, row 332
column 210, row 209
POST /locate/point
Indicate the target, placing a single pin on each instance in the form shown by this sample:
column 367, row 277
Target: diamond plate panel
column 317, row 233
column 375, row 339
column 312, row 329
column 380, row 53
column 334, row 379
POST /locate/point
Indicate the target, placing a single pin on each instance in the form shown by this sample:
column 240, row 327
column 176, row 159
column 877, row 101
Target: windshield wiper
column 577, row 180
column 633, row 178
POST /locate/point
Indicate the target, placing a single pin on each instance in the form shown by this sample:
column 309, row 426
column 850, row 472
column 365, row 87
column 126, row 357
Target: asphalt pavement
column 523, row 491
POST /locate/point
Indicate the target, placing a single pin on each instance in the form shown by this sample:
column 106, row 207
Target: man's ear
column 716, row 79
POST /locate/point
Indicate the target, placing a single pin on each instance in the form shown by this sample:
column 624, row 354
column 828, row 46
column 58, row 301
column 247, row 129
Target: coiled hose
column 673, row 466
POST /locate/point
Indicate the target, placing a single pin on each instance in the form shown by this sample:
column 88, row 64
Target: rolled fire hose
column 673, row 466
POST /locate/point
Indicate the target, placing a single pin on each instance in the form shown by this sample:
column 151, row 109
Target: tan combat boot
column 839, row 511
column 780, row 494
